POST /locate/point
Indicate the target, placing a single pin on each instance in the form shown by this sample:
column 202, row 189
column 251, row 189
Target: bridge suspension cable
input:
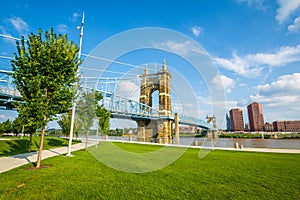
column 103, row 70
column 9, row 37
column 111, row 61
column 6, row 57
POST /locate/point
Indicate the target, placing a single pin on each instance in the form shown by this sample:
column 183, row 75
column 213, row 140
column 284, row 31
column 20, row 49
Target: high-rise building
column 236, row 119
column 255, row 116
column 228, row 122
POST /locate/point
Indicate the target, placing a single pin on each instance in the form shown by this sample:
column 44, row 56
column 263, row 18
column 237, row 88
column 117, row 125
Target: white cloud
column 181, row 48
column 75, row 16
column 7, row 115
column 222, row 81
column 295, row 27
column 19, row 24
column 197, row 30
column 280, row 98
column 285, row 85
column 258, row 4
column 252, row 64
column 62, row 28
column 239, row 65
column 128, row 90
column 286, row 8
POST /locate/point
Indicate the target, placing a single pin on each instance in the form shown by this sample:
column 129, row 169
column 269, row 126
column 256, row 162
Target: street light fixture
column 76, row 87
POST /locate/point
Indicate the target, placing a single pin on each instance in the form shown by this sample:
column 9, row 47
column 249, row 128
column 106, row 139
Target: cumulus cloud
column 293, row 28
column 62, row 28
column 239, row 65
column 286, row 8
column 222, row 81
column 197, row 30
column 74, row 16
column 181, row 48
column 284, row 85
column 280, row 98
column 128, row 89
column 19, row 24
column 252, row 64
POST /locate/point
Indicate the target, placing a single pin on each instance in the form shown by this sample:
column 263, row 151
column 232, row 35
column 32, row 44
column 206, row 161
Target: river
column 230, row 142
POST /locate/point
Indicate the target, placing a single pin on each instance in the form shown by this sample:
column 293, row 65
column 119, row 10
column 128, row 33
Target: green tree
column 44, row 72
column 65, row 123
column 103, row 115
column 16, row 126
column 5, row 127
column 86, row 112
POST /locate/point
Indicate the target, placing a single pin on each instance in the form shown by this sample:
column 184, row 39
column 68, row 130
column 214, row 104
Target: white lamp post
column 74, row 102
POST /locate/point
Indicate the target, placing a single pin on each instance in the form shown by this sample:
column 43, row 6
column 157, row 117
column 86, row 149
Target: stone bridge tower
column 158, row 130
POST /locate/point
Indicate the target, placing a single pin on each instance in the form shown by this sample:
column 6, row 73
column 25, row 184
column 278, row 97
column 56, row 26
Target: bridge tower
column 158, row 130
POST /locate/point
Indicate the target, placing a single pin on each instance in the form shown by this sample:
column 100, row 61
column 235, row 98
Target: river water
column 230, row 142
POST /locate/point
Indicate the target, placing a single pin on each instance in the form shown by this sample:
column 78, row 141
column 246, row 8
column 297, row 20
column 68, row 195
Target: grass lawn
column 219, row 175
column 18, row 146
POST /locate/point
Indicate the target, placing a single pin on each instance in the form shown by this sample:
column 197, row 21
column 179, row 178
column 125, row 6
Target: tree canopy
column 45, row 69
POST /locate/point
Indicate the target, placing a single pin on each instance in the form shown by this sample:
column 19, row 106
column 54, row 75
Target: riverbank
column 266, row 135
column 228, row 142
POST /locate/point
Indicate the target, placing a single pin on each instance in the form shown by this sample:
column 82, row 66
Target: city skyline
column 254, row 44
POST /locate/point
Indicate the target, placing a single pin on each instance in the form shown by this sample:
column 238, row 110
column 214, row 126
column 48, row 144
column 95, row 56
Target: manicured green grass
column 219, row 175
column 19, row 146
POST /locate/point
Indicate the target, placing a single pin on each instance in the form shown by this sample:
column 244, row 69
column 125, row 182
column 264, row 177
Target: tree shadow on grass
column 55, row 143
column 13, row 147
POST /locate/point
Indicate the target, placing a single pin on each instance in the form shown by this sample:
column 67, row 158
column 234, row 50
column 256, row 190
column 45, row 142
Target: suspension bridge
column 119, row 106
column 154, row 124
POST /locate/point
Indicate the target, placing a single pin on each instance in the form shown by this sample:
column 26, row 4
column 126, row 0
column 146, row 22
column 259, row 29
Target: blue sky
column 254, row 43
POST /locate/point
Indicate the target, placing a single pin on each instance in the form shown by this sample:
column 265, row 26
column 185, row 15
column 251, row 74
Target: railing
column 120, row 107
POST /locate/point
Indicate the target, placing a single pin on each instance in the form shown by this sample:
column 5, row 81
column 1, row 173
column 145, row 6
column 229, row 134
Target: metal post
column 176, row 128
column 74, row 102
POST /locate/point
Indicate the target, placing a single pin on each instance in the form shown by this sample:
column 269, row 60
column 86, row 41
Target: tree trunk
column 39, row 158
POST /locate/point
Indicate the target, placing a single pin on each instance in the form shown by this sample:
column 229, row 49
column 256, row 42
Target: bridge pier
column 212, row 133
column 159, row 129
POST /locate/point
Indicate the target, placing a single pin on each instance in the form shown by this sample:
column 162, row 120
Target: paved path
column 11, row 162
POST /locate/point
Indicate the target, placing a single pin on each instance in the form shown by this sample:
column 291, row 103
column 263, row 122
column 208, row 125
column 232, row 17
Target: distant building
column 287, row 126
column 255, row 116
column 279, row 126
column 236, row 119
column 187, row 129
column 268, row 127
column 247, row 127
column 228, row 122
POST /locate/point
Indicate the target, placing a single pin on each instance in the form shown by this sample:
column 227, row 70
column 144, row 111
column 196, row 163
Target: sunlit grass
column 219, row 175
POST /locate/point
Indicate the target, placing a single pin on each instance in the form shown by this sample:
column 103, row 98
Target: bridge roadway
column 8, row 101
column 120, row 107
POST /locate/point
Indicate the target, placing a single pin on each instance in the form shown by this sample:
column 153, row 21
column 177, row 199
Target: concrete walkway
column 11, row 162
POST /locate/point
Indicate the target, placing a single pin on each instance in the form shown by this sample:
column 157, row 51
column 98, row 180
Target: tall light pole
column 76, row 87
